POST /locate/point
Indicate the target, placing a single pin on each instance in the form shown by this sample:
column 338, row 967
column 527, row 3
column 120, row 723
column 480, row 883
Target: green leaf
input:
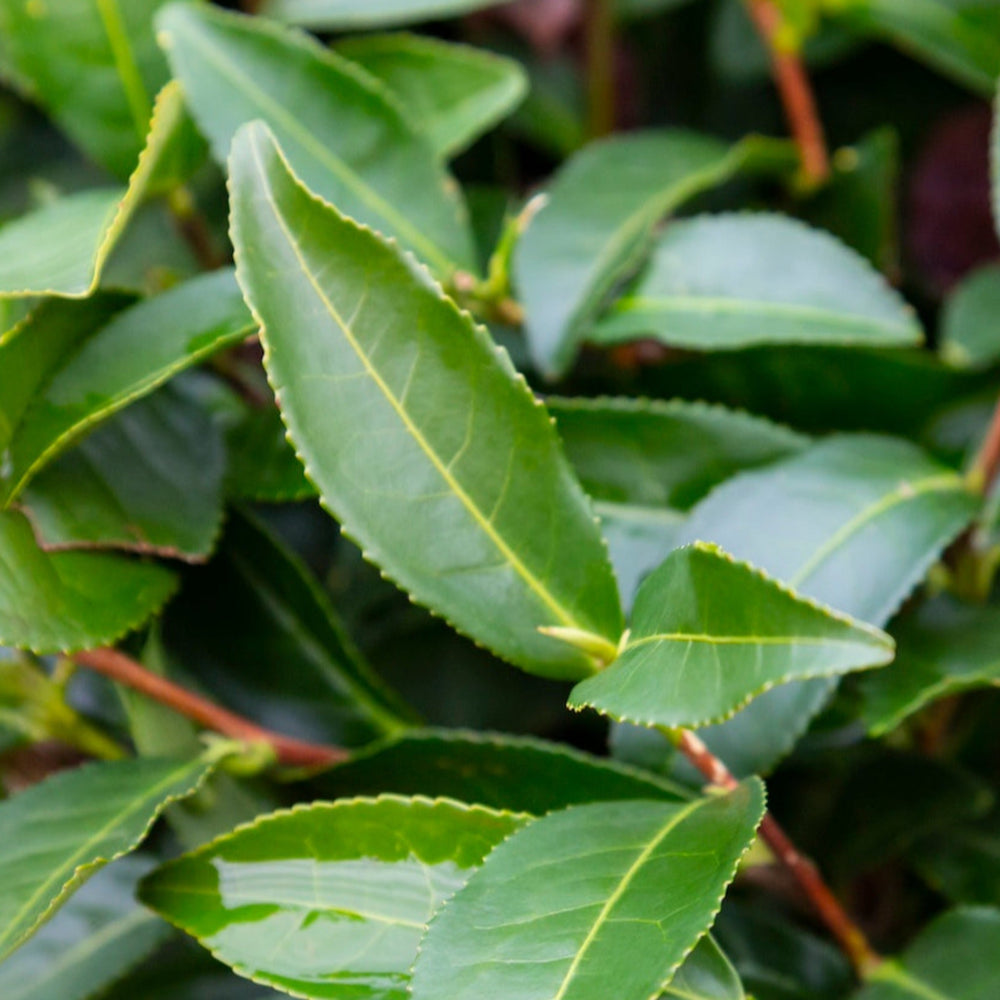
column 90, row 943
column 595, row 901
column 62, row 248
column 262, row 465
column 493, row 769
column 969, row 337
column 520, row 550
column 351, row 15
column 854, row 522
column 132, row 355
column 961, row 38
column 955, row 958
column 328, row 900
column 92, row 64
column 717, row 282
column 256, row 605
column 651, row 453
column 60, row 832
column 945, row 648
column 344, row 134
column 710, row 634
column 962, row 862
column 452, row 93
column 706, row 975
column 52, row 602
column 598, row 222
column 149, row 480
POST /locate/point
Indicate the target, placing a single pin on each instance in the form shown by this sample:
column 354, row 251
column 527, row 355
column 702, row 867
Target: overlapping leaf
column 969, row 334
column 594, row 901
column 329, row 900
column 344, row 134
column 709, row 634
column 355, row 14
column 726, row 281
column 707, row 974
column 472, row 508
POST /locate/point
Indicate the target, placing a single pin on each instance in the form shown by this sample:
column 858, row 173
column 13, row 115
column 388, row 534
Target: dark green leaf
column 598, row 221
column 473, row 509
column 344, row 134
column 706, row 975
column 451, row 93
column 329, row 900
column 709, row 634
column 969, row 330
column 718, row 282
column 262, row 464
column 595, row 901
column 962, row 861
column 60, row 832
column 354, row 14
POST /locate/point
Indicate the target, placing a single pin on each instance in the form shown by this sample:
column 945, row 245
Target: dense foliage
column 381, row 380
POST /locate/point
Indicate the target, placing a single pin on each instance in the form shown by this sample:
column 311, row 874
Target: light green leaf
column 149, row 480
column 955, row 958
column 710, row 634
column 493, row 769
column 473, row 509
column 92, row 64
column 961, row 38
column 719, row 282
column 60, row 832
column 706, row 975
column 135, row 353
column 452, row 93
column 970, row 333
column 61, row 249
column 350, row 15
column 854, row 522
column 596, row 901
column 328, row 900
column 598, row 222
column 51, row 602
column 344, row 133
column 90, row 943
column 945, row 648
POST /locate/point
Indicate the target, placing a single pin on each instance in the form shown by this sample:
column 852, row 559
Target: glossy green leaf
column 726, row 281
column 344, row 134
column 970, row 334
column 710, row 634
column 255, row 605
column 956, row 958
column 93, row 65
column 594, row 901
column 706, row 975
column 651, row 453
column 958, row 37
column 62, row 248
column 452, row 93
column 493, row 769
column 466, row 507
column 149, row 480
column 329, row 900
column 50, row 602
column 354, row 14
column 262, row 464
column 853, row 522
column 132, row 355
column 598, row 221
column 945, row 648
column 94, row 940
column 60, row 832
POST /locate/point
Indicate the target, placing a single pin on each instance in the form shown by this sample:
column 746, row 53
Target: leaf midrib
column 747, row 640
column 128, row 69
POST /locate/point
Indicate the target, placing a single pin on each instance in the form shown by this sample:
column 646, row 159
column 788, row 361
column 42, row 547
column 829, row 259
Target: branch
column 795, row 90
column 849, row 936
column 599, row 46
column 986, row 466
column 288, row 750
column 192, row 226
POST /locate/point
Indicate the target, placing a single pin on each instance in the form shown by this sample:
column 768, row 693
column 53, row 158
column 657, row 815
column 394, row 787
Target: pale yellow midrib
column 128, row 70
column 744, row 640
column 487, row 528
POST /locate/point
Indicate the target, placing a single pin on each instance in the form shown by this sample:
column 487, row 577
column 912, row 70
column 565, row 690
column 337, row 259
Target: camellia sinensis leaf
column 707, row 974
column 970, row 334
column 351, row 15
column 328, row 901
column 473, row 509
column 591, row 902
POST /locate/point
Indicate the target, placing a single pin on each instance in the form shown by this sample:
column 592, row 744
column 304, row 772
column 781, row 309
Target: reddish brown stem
column 987, row 464
column 849, row 936
column 795, row 91
column 599, row 43
column 119, row 667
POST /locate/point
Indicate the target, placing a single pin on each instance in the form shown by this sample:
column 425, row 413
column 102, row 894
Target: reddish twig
column 849, row 936
column 288, row 750
column 986, row 466
column 795, row 90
